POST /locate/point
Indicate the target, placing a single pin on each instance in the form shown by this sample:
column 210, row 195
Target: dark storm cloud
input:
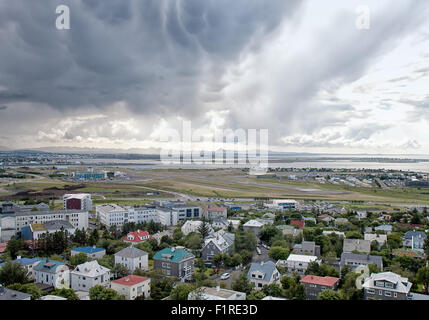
column 149, row 53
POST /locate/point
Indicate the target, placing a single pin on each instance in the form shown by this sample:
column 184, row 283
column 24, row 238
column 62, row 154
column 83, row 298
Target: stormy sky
column 129, row 70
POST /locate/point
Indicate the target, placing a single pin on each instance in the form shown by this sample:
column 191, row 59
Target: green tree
column 101, row 293
column 268, row 233
column 13, row 272
column 15, row 246
column 423, row 278
column 69, row 294
column 273, row 290
column 119, row 271
column 242, row 284
column 29, row 288
column 181, row 291
column 256, row 295
column 78, row 259
column 329, row 295
column 204, row 229
column 278, row 253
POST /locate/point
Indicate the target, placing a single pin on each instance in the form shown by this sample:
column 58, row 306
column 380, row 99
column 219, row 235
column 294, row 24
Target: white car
column 224, row 276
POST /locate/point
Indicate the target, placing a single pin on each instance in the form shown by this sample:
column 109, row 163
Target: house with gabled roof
column 263, row 273
column 356, row 260
column 359, row 245
column 138, row 236
column 414, row 239
column 220, row 242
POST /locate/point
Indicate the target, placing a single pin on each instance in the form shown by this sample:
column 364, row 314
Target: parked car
column 258, row 250
column 225, row 276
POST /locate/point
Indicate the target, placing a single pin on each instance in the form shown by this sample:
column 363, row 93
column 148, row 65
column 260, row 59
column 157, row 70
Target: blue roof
column 418, row 235
column 23, row 261
column 88, row 250
column 48, row 266
column 267, row 269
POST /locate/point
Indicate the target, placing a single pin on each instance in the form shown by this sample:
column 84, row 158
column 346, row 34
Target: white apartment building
column 77, row 218
column 53, row 273
column 89, row 274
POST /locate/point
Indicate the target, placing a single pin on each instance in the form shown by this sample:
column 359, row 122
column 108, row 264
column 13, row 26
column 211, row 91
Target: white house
column 89, row 274
column 132, row 286
column 380, row 238
column 53, row 273
column 297, row 263
column 216, row 213
column 192, row 226
column 132, row 258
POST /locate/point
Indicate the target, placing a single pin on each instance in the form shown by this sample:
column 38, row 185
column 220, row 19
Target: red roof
column 137, row 236
column 130, row 280
column 323, row 216
column 216, row 209
column 298, row 223
column 322, row 281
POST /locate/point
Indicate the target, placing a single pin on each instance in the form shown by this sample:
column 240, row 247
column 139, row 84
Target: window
column 387, row 293
column 380, row 292
column 388, row 285
column 371, row 291
column 395, row 295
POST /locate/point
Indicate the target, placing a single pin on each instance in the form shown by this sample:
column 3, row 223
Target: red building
column 137, row 237
column 298, row 223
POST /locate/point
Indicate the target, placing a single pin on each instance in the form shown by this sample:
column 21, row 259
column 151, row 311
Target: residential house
column 355, row 260
column 175, row 262
column 132, row 259
column 91, row 252
column 222, row 242
column 235, row 223
column 298, row 223
column 297, row 263
column 315, row 285
column 216, row 212
column 28, row 264
column 263, row 273
column 361, row 215
column 358, row 245
column 8, row 294
column 326, row 218
column 207, row 293
column 414, row 239
column 220, row 223
column 307, row 247
column 132, row 286
column 380, row 238
column 88, row 275
column 289, row 230
column 136, row 237
column 337, row 233
column 254, row 226
column 310, row 219
column 387, row 286
column 384, row 227
column 52, row 273
column 341, row 221
column 193, row 225
column 35, row 230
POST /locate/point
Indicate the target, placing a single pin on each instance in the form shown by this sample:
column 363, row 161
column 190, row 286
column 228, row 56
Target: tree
column 242, row 284
column 426, row 247
column 256, row 295
column 13, row 272
column 78, row 259
column 423, row 277
column 14, row 246
column 273, row 290
column 194, row 241
column 119, row 271
column 181, row 291
column 329, row 294
column 101, row 293
column 93, row 238
column 69, row 294
column 278, row 253
column 29, row 288
column 204, row 229
column 268, row 233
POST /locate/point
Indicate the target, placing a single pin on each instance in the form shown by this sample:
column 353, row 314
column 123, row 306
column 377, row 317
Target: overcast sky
column 128, row 70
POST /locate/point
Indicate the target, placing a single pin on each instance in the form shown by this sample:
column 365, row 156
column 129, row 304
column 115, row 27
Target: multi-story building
column 263, row 273
column 77, row 218
column 132, row 258
column 53, row 273
column 111, row 214
column 315, row 285
column 414, row 239
column 387, row 286
column 193, row 226
column 88, row 275
column 307, row 247
column 175, row 262
column 79, row 201
column 216, row 213
column 254, row 226
column 36, row 230
column 132, row 286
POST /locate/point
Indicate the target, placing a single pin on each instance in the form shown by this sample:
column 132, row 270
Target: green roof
column 167, row 254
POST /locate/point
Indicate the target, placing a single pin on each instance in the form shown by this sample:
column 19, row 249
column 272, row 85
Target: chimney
column 262, row 263
column 18, row 257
